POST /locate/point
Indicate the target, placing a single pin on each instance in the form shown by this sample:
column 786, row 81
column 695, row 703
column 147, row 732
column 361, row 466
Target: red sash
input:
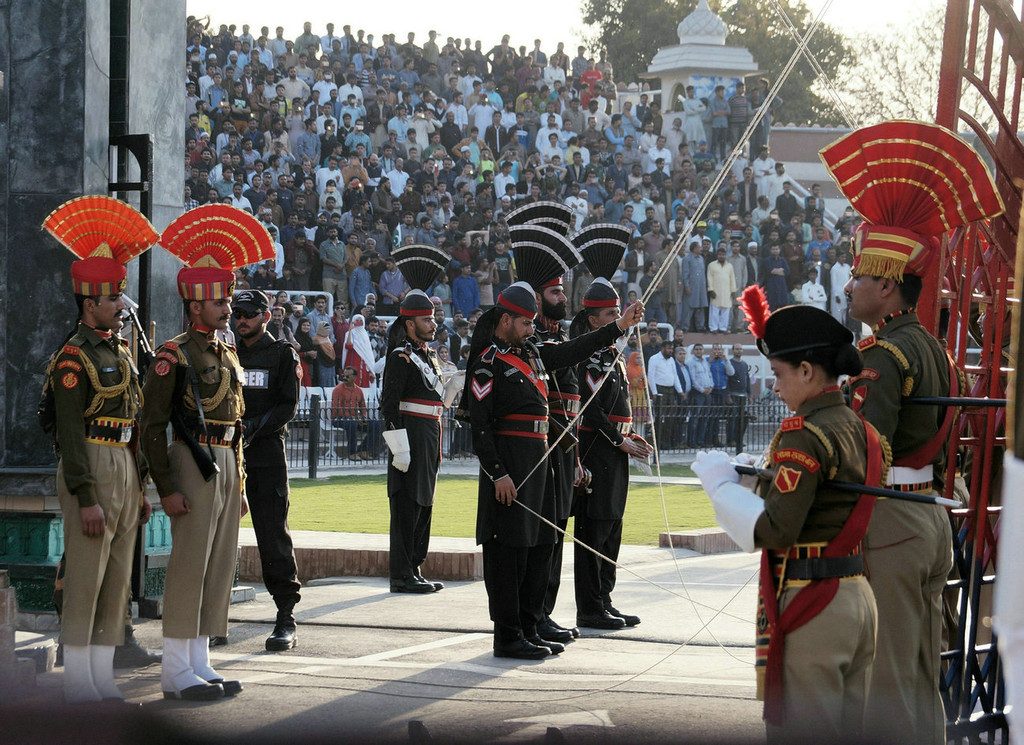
column 814, row 597
column 524, row 367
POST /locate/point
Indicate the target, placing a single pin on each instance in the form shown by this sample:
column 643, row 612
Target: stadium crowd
column 345, row 146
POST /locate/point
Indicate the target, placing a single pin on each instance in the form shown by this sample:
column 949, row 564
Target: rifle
column 208, row 468
column 145, row 357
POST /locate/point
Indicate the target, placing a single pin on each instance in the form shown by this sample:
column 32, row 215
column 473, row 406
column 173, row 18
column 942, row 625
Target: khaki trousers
column 827, row 669
column 201, row 570
column 908, row 551
column 98, row 570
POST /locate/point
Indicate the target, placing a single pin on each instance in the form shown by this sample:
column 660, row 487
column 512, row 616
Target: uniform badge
column 69, row 381
column 298, row 370
column 70, row 364
column 797, row 456
column 162, row 367
column 866, row 343
column 786, row 479
column 68, row 349
column 480, row 392
column 593, row 384
column 860, row 395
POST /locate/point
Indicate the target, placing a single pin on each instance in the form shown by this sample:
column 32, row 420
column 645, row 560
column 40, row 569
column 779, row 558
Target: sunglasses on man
column 247, row 314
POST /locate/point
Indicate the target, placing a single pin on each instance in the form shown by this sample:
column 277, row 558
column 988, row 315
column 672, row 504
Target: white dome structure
column 702, row 26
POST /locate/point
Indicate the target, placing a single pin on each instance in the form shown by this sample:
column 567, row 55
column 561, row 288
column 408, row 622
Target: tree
column 896, row 74
column 633, row 30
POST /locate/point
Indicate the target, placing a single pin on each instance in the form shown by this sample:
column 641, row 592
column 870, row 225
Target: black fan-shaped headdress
column 421, row 265
column 602, row 247
column 553, row 215
column 541, row 255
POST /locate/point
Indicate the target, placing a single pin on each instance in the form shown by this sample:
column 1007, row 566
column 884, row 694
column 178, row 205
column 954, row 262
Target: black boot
column 132, row 654
column 283, row 637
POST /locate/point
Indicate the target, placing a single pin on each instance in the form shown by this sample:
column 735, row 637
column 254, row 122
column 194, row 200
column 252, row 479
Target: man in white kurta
column 721, row 289
column 838, row 277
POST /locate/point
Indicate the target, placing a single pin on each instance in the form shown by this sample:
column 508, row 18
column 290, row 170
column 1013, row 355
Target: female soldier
column 816, row 612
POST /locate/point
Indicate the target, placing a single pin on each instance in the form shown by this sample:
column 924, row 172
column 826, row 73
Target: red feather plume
column 218, row 235
column 754, row 303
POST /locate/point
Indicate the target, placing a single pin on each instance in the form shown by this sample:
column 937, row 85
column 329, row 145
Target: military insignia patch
column 298, row 370
column 480, row 392
column 593, row 384
column 786, row 479
column 797, row 456
column 69, row 381
column 858, row 397
column 172, row 345
column 162, row 367
column 866, row 343
column 69, row 364
column 68, row 349
column 792, row 423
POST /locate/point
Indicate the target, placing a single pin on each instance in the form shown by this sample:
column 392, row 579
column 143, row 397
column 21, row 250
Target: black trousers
column 267, row 490
column 516, row 579
column 595, row 577
column 410, row 536
column 555, row 573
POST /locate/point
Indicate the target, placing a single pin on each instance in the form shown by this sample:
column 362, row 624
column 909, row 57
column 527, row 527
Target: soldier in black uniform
column 506, row 393
column 607, row 439
column 541, row 259
column 271, row 393
column 412, row 402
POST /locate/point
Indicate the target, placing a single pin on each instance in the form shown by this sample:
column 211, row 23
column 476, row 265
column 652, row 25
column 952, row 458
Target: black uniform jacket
column 271, row 394
column 563, row 399
column 605, row 423
column 508, row 390
column 403, row 381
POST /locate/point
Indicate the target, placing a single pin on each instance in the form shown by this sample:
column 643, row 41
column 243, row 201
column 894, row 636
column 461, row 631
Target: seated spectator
column 349, row 412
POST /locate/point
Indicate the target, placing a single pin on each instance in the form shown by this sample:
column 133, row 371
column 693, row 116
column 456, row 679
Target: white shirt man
column 398, row 178
column 839, row 275
column 812, row 293
column 330, row 171
column 661, row 371
column 659, row 151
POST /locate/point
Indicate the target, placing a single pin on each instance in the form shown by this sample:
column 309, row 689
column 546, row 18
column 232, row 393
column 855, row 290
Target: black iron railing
column 320, row 437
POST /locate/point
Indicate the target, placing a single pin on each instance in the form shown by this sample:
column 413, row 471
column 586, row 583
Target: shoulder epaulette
column 70, row 349
column 172, row 345
column 867, row 342
column 488, row 355
column 792, row 423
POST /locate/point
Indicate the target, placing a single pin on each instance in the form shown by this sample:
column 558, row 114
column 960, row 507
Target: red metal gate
column 983, row 53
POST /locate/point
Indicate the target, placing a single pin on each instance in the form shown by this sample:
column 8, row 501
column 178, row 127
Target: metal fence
column 321, row 438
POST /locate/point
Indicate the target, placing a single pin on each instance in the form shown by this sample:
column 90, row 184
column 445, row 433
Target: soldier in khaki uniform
column 96, row 400
column 908, row 548
column 204, row 511
column 816, row 612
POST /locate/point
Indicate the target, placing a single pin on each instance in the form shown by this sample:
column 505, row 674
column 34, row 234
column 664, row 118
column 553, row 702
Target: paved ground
column 370, row 662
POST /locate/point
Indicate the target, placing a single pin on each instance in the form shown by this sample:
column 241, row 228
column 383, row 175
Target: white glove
column 398, row 443
column 454, row 387
column 714, row 469
column 748, row 459
column 737, row 510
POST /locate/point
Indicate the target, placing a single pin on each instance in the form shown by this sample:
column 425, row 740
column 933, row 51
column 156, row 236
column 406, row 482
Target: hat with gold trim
column 213, row 241
column 105, row 234
column 911, row 182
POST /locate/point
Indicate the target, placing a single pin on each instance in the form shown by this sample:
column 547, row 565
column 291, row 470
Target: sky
column 526, row 20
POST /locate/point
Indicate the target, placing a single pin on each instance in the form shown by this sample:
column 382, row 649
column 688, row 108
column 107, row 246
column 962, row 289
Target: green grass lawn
column 358, row 504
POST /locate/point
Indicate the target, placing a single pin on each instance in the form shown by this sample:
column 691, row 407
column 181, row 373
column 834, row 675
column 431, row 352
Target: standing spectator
column 738, row 390
column 358, row 352
column 465, row 291
column 774, row 273
column 787, row 204
column 697, row 435
column 839, row 276
column 653, row 344
column 721, row 291
column 679, row 357
column 333, row 257
column 719, row 110
column 721, row 368
column 811, row 292
column 739, row 115
column 695, row 290
column 360, row 283
column 392, row 288
column 694, row 109
column 665, row 387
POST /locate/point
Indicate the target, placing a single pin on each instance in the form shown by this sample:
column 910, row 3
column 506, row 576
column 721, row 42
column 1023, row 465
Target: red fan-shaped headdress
column 105, row 234
column 911, row 182
column 213, row 241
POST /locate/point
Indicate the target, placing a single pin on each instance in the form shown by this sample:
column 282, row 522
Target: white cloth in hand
column 398, row 443
column 453, row 387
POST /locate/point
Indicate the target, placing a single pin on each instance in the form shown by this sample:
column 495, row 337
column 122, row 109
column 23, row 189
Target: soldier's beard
column 552, row 312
